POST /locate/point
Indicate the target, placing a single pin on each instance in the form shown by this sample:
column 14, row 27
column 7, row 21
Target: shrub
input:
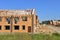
column 56, row 34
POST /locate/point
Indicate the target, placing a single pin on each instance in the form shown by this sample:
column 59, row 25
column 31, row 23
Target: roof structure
column 15, row 12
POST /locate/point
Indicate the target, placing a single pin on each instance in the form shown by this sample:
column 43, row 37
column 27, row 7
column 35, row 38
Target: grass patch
column 26, row 36
column 54, row 36
column 16, row 36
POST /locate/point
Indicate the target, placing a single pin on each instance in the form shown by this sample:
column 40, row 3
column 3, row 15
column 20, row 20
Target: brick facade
column 18, row 20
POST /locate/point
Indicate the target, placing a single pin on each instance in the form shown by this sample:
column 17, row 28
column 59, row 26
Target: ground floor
column 15, row 28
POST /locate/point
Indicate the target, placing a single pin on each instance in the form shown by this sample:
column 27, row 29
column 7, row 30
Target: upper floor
column 19, row 17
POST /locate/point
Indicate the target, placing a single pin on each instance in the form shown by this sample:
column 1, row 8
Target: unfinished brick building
column 18, row 20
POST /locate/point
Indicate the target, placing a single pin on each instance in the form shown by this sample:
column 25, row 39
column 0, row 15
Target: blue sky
column 45, row 9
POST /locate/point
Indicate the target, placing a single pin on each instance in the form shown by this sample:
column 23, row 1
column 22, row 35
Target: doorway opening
column 29, row 28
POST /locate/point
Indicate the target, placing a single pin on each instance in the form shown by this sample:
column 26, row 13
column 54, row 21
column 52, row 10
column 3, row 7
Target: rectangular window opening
column 7, row 27
column 16, row 27
column 23, row 27
column 0, row 27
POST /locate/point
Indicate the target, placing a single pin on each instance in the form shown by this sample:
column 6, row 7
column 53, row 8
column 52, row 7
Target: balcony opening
column 0, row 19
column 16, row 20
column 24, row 18
column 8, row 20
